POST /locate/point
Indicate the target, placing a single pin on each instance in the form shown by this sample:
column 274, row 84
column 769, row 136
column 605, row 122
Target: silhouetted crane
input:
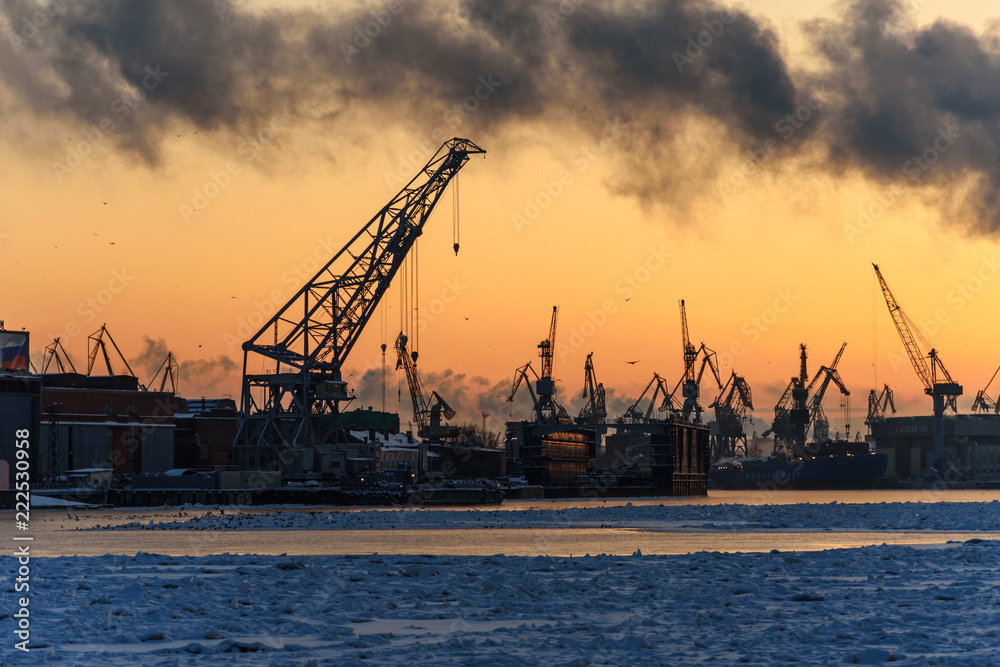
column 297, row 402
column 983, row 403
column 595, row 410
column 731, row 408
column 877, row 405
column 933, row 375
column 817, row 418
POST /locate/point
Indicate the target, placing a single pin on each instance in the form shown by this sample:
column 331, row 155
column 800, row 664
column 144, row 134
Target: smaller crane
column 791, row 414
column 427, row 415
column 56, row 352
column 521, row 376
column 690, row 383
column 545, row 408
column 97, row 344
column 817, row 418
column 731, row 408
column 170, row 370
column 983, row 403
column 634, row 414
column 877, row 405
column 595, row 410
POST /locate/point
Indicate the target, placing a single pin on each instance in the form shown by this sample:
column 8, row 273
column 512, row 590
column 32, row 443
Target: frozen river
column 723, row 521
column 462, row 541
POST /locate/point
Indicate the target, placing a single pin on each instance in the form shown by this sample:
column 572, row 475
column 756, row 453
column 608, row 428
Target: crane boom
column 521, row 375
column 547, row 346
column 906, row 334
column 689, row 351
column 983, row 403
column 426, row 414
column 297, row 401
column 406, row 361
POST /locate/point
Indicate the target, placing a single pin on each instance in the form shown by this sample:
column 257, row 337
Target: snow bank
column 870, row 605
column 939, row 516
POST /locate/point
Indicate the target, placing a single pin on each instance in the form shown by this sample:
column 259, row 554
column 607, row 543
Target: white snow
column 936, row 605
column 869, row 606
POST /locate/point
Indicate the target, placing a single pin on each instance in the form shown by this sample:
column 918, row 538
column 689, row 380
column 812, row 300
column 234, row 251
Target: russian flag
column 13, row 351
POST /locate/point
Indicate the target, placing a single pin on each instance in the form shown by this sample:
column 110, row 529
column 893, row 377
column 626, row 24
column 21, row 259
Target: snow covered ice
column 872, row 605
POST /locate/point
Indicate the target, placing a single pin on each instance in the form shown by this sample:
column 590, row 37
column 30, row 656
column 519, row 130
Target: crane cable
column 416, row 297
column 385, row 327
column 454, row 215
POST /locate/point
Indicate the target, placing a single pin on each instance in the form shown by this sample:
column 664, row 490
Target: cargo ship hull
column 825, row 472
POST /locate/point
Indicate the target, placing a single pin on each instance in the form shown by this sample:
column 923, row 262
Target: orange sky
column 780, row 260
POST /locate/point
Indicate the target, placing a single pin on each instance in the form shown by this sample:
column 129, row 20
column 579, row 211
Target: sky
column 178, row 169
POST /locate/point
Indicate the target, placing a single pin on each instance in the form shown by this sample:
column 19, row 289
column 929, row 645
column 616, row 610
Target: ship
column 831, row 465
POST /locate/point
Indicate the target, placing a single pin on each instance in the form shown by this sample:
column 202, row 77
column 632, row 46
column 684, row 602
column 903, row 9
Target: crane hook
column 456, row 249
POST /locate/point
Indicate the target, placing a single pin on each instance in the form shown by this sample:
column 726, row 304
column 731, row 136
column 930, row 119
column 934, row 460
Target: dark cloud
column 913, row 106
column 422, row 64
column 890, row 90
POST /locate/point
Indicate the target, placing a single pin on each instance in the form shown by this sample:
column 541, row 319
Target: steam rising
column 205, row 377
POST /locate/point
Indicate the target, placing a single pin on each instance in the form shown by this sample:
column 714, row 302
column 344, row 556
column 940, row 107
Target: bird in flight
column 633, row 363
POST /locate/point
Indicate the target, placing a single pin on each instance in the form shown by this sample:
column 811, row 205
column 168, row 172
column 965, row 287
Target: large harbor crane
column 929, row 368
column 295, row 399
